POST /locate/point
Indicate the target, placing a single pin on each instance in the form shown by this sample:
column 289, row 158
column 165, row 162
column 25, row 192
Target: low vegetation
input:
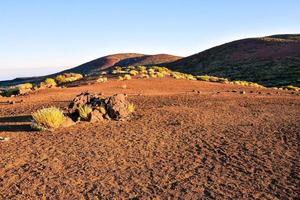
column 102, row 79
column 291, row 87
column 85, row 111
column 48, row 118
column 49, row 82
column 67, row 77
column 18, row 89
column 131, row 108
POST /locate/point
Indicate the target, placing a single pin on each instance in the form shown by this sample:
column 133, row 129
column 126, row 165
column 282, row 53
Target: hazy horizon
column 40, row 38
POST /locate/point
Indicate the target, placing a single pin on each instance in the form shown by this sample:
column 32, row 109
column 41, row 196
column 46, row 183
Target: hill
column 271, row 61
column 127, row 59
column 94, row 67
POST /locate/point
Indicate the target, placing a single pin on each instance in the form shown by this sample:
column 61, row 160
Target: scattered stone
column 233, row 91
column 242, row 92
column 4, row 139
column 12, row 102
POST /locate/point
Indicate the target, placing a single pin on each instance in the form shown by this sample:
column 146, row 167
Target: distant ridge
column 271, row 61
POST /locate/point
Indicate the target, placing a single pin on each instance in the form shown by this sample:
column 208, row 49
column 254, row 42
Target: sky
column 41, row 37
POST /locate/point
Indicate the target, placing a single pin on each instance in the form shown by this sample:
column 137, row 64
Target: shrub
column 131, row 108
column 102, row 79
column 160, row 75
column 142, row 68
column 133, row 72
column 291, row 87
column 48, row 118
column 212, row 79
column 246, row 83
column 50, row 81
column 127, row 77
column 68, row 77
column 11, row 91
column 16, row 90
column 85, row 111
column 25, row 86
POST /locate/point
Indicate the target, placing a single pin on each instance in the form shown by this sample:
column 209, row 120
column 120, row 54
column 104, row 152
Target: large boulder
column 117, row 106
column 114, row 107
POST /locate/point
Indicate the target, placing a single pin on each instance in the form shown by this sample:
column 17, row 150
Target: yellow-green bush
column 127, row 77
column 68, row 77
column 48, row 118
column 160, row 75
column 131, row 108
column 25, row 86
column 291, row 87
column 133, row 72
column 212, row 79
column 15, row 90
column 49, row 82
column 85, row 111
column 102, row 79
column 246, row 83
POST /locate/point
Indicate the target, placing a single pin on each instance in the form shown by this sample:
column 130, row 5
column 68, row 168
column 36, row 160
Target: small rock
column 233, row 91
column 68, row 122
column 4, row 139
column 242, row 92
column 96, row 116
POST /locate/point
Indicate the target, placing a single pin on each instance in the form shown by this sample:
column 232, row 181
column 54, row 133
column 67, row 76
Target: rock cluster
column 114, row 107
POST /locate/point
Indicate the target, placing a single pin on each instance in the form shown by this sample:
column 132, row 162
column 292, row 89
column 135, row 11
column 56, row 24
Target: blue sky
column 40, row 37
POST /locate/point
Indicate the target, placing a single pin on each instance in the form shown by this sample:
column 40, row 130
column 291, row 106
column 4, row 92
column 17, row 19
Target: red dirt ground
column 179, row 144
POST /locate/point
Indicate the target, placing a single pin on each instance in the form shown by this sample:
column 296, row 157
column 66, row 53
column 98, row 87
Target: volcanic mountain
column 271, row 61
column 94, row 67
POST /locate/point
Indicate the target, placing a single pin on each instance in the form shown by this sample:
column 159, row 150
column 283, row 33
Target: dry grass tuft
column 48, row 118
column 85, row 111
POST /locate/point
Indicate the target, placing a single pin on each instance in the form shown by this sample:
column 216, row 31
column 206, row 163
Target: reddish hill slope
column 273, row 60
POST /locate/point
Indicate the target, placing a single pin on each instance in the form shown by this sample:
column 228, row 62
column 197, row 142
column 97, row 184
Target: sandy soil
column 179, row 144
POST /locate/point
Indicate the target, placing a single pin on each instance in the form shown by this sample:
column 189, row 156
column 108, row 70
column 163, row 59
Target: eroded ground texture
column 179, row 144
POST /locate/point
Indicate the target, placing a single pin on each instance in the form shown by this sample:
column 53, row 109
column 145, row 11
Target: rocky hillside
column 271, row 61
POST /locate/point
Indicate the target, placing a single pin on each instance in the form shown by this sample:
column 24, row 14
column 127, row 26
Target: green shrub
column 68, row 77
column 133, row 72
column 11, row 91
column 85, row 111
column 127, row 77
column 291, row 87
column 48, row 118
column 50, row 81
column 102, row 79
column 25, row 86
column 131, row 108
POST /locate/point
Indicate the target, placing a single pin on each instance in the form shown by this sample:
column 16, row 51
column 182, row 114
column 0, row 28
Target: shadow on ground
column 21, row 118
column 22, row 125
